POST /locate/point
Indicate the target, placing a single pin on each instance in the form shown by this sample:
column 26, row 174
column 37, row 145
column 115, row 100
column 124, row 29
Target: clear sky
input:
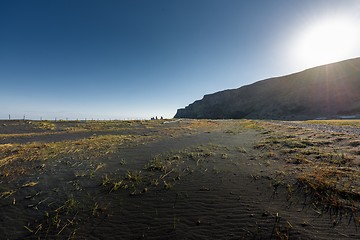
column 138, row 59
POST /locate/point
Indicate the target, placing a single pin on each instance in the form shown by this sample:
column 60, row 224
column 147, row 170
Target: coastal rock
column 327, row 91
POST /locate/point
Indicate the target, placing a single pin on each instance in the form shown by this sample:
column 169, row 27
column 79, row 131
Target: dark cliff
column 326, row 91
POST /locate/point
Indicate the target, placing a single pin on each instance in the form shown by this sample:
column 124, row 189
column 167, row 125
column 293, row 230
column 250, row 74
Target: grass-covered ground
column 179, row 179
column 326, row 163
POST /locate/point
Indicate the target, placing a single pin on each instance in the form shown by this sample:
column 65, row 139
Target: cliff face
column 325, row 91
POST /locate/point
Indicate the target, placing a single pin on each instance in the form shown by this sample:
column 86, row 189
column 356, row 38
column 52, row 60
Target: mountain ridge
column 326, row 91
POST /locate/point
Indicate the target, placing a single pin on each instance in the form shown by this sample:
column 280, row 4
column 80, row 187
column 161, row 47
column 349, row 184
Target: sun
column 329, row 40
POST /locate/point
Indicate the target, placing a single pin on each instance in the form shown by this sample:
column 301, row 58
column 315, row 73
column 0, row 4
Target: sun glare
column 330, row 40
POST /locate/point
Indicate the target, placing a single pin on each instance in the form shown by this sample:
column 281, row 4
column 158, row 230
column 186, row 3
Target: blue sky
column 138, row 59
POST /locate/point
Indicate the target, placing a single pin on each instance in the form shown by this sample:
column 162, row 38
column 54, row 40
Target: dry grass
column 322, row 163
column 44, row 125
column 353, row 123
column 93, row 147
column 99, row 125
column 330, row 181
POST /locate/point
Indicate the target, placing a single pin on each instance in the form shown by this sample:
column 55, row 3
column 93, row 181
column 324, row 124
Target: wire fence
column 57, row 119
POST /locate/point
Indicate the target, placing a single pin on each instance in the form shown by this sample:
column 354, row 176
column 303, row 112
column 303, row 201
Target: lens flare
column 332, row 39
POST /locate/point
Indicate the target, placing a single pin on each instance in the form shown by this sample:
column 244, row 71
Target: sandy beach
column 186, row 179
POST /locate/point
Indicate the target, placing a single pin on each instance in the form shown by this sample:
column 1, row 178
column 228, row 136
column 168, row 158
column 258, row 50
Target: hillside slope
column 326, row 91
